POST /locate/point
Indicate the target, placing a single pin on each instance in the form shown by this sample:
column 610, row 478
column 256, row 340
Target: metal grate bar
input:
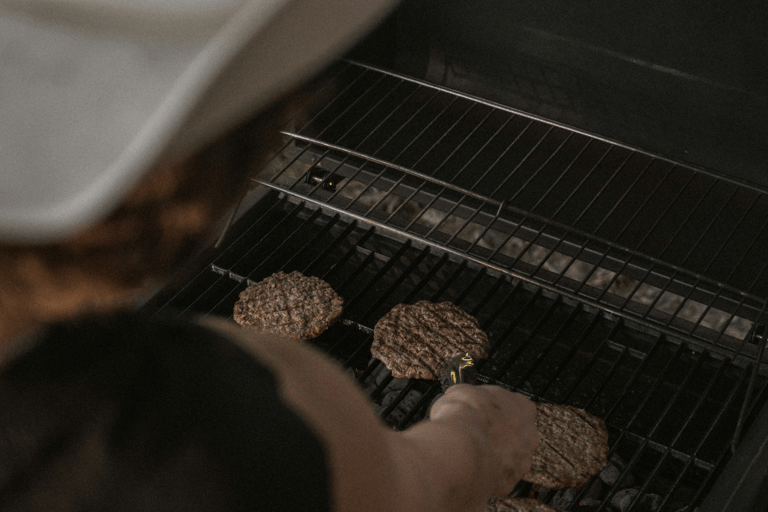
column 543, row 343
column 422, row 185
column 600, row 175
column 576, row 347
column 706, row 483
column 673, row 332
column 586, row 367
column 575, row 311
column 607, row 278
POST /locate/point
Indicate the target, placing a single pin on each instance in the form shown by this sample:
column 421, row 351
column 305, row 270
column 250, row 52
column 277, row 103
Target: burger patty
column 292, row 305
column 413, row 341
column 573, row 447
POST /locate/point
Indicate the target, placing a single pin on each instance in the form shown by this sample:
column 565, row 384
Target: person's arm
column 477, row 445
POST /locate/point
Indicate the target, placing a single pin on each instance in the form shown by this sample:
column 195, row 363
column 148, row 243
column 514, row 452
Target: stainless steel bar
column 190, row 305
column 626, row 226
column 465, row 166
column 709, row 226
column 726, row 451
column 358, row 98
column 228, row 298
column 545, row 121
column 606, row 377
column 636, row 374
column 431, row 147
column 541, row 322
column 344, row 234
column 667, row 368
column 623, row 196
column 759, row 275
column 574, row 348
column 327, row 226
column 733, row 231
column 575, row 311
column 348, row 254
column 596, row 196
column 757, row 236
column 380, row 273
column 758, row 333
column 386, row 141
column 678, row 391
column 520, row 163
column 702, row 398
column 501, row 268
column 648, row 199
column 347, row 155
column 586, row 367
column 541, row 199
column 502, row 155
column 503, row 204
column 510, row 360
column 502, row 307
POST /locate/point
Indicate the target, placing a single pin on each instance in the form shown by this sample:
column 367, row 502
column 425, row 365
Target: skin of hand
column 504, row 419
column 476, row 446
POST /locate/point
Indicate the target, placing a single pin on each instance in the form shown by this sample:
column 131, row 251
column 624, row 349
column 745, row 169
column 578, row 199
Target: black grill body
column 610, row 273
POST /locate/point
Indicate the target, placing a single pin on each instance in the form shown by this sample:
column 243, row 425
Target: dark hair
column 165, row 219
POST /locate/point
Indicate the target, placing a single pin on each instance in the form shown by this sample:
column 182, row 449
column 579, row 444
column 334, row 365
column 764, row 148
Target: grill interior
column 607, row 278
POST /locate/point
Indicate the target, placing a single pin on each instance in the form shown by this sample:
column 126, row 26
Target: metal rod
column 727, row 241
column 502, row 155
column 425, row 153
column 459, row 172
column 360, row 73
column 574, row 348
column 565, row 324
column 757, row 236
column 506, row 201
column 540, row 119
column 757, row 334
column 726, row 451
column 519, row 164
column 542, row 321
column 596, row 196
column 586, row 367
column 709, row 226
column 624, row 195
column 502, row 269
column 660, row 340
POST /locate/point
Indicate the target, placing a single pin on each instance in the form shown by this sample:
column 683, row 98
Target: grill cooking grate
column 606, row 278
column 671, row 407
column 647, row 239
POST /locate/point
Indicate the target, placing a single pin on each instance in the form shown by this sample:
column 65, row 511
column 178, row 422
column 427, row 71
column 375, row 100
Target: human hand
column 504, row 420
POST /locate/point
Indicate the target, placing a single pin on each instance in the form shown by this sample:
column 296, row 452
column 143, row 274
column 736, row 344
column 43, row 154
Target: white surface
column 86, row 109
column 72, row 101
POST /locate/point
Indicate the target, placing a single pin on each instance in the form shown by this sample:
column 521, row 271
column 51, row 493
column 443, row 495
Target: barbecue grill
column 608, row 277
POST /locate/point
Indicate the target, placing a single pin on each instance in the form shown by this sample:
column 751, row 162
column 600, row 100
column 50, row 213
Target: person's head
column 163, row 221
column 96, row 93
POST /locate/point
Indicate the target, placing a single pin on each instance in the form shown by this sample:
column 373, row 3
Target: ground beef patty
column 292, row 305
column 519, row 505
column 414, row 340
column 573, row 447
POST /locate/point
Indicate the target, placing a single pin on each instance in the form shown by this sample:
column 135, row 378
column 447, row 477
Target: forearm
column 443, row 465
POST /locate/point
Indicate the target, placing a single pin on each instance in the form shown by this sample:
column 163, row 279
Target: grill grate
column 652, row 241
column 671, row 407
column 396, row 191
